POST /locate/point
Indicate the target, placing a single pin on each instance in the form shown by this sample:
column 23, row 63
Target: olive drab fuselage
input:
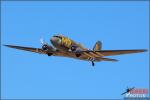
column 66, row 42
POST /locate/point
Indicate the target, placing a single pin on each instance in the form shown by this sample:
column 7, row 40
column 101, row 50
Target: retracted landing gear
column 49, row 54
column 93, row 64
column 78, row 55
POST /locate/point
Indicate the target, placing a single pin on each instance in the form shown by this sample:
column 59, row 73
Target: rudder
column 97, row 46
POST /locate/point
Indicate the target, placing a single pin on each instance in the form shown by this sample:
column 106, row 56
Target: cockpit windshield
column 57, row 36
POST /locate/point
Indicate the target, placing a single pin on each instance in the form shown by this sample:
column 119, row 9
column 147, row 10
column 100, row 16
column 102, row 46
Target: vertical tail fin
column 97, row 46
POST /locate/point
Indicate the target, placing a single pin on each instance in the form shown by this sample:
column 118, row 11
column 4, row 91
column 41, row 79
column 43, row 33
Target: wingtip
column 140, row 50
column 144, row 50
column 6, row 45
column 10, row 46
column 115, row 60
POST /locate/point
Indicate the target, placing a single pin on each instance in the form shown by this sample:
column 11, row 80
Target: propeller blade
column 42, row 41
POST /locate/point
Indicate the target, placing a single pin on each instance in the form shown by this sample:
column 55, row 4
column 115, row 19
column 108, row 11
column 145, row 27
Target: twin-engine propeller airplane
column 65, row 47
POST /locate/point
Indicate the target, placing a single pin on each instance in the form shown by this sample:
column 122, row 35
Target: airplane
column 66, row 47
column 128, row 90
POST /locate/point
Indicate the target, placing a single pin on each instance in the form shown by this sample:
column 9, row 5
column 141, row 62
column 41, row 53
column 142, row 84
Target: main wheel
column 93, row 63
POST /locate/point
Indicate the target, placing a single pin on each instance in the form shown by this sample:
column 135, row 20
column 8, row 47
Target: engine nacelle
column 77, row 50
column 45, row 47
column 73, row 48
column 48, row 48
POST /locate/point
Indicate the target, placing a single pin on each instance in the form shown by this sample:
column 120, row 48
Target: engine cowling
column 45, row 47
column 73, row 48
column 48, row 49
column 77, row 50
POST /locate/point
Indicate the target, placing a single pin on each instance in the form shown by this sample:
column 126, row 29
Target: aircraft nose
column 55, row 40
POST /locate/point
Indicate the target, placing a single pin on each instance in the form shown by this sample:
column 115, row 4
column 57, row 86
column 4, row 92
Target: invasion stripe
column 88, row 58
column 91, row 59
column 88, row 55
column 95, row 55
column 98, row 53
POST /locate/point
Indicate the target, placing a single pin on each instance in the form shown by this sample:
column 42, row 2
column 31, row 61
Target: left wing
column 36, row 50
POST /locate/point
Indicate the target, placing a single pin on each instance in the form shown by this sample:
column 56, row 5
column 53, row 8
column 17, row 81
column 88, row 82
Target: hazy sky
column 119, row 25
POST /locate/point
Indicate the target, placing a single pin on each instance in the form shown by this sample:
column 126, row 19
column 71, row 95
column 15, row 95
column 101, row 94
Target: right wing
column 102, row 53
column 119, row 52
column 36, row 50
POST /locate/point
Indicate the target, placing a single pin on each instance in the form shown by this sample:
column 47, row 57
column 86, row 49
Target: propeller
column 42, row 41
column 49, row 49
column 44, row 44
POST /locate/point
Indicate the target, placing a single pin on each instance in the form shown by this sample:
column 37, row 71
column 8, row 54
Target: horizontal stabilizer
column 109, row 59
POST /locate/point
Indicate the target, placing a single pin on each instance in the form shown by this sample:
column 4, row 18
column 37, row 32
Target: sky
column 118, row 25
